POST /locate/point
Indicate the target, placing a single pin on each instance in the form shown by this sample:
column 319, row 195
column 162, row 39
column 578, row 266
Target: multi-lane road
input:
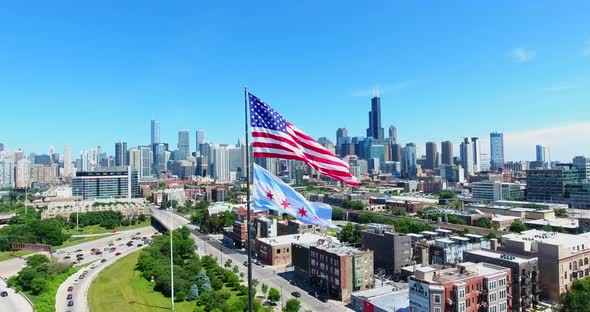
column 79, row 292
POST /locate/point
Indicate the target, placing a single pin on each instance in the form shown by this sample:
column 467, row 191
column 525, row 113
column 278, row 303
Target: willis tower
column 375, row 131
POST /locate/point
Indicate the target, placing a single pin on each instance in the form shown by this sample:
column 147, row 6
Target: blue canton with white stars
column 261, row 115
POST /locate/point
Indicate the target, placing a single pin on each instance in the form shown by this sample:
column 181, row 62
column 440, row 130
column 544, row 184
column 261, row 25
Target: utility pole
column 77, row 210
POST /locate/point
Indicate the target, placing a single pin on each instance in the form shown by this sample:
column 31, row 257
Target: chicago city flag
column 272, row 193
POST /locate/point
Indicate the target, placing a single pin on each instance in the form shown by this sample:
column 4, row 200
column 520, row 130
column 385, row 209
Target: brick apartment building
column 525, row 275
column 333, row 269
column 469, row 287
column 276, row 251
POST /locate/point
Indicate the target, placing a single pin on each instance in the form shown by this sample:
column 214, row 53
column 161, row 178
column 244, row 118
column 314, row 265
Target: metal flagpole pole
column 170, row 231
column 248, row 245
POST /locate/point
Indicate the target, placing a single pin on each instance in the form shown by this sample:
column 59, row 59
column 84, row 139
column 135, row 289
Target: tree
column 193, row 293
column 337, row 214
column 235, row 269
column 274, row 295
column 446, row 195
column 255, row 282
column 577, row 299
column 293, row 305
column 264, row 289
column 349, row 234
column 483, row 223
column 560, row 212
column 547, row 228
column 517, row 226
column 227, row 264
column 203, row 282
column 36, row 260
column 38, row 285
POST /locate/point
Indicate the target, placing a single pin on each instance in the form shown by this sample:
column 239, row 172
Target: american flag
column 274, row 137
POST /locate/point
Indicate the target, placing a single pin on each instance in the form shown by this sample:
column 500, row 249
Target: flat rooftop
column 339, row 249
column 306, row 238
column 550, row 238
column 387, row 298
column 500, row 255
column 500, row 218
column 464, row 270
column 559, row 222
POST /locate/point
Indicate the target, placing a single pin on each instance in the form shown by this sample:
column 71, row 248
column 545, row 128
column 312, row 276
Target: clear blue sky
column 91, row 74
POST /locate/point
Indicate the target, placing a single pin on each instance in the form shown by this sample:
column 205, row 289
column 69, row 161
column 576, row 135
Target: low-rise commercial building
column 469, row 287
column 382, row 299
column 524, row 275
column 276, row 251
column 127, row 207
column 563, row 258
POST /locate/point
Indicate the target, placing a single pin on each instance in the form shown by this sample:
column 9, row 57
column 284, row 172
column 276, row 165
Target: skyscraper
column 396, row 152
column 121, row 154
column 23, row 173
column 135, row 159
column 340, row 133
column 183, row 146
column 155, row 132
column 541, row 153
column 6, row 173
column 582, row 164
column 375, row 131
column 392, row 134
column 159, row 157
column 68, row 168
column 1, row 147
column 476, row 154
column 446, row 156
column 496, row 151
column 466, row 153
column 431, row 151
column 146, row 160
column 410, row 160
column 200, row 139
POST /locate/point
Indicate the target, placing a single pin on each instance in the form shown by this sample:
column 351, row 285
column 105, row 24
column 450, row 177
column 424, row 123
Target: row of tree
column 30, row 229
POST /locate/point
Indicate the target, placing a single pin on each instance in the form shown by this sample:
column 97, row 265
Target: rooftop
column 559, row 222
column 306, row 238
column 340, row 249
column 500, row 218
column 387, row 298
column 462, row 271
column 550, row 238
column 500, row 255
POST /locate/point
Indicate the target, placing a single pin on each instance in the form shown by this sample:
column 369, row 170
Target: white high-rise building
column 84, row 161
column 23, row 173
column 200, row 139
column 135, row 159
column 6, row 173
column 219, row 163
column 466, row 153
column 68, row 167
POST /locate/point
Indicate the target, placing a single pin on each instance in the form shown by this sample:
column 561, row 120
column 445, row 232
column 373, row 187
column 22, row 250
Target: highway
column 80, row 288
column 14, row 301
column 273, row 277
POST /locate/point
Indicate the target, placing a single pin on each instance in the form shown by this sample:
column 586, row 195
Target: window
column 502, row 294
column 437, row 298
column 492, row 297
column 492, row 285
column 278, row 251
column 436, row 309
column 503, row 307
column 502, row 283
column 580, row 263
column 462, row 294
column 461, row 307
column 493, row 309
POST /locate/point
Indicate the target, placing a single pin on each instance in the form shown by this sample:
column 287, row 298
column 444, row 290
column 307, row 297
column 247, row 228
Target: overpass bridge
column 164, row 220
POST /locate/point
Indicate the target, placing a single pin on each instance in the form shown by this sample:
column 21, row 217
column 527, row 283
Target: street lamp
column 77, row 208
column 171, row 260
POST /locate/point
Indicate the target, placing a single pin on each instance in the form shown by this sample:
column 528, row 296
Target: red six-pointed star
column 285, row 204
column 269, row 195
column 302, row 212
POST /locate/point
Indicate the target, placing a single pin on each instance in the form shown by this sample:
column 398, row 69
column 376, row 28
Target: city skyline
column 527, row 83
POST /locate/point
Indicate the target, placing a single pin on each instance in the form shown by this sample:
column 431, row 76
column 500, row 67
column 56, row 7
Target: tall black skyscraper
column 121, row 154
column 446, row 156
column 375, row 131
column 396, row 152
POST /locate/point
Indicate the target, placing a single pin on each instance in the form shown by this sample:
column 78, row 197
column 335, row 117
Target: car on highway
column 76, row 281
column 296, row 294
column 78, row 250
column 70, row 297
column 67, row 257
column 81, row 276
column 103, row 260
column 71, row 288
column 139, row 245
column 4, row 294
column 71, row 303
column 118, row 254
column 119, row 238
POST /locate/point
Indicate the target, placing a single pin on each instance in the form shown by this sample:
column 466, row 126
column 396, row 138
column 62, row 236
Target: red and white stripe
column 296, row 145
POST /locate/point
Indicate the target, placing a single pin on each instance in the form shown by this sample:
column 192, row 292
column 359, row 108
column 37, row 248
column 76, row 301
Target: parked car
column 296, row 294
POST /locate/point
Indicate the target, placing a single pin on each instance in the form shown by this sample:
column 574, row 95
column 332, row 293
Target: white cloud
column 381, row 89
column 559, row 87
column 565, row 141
column 521, row 55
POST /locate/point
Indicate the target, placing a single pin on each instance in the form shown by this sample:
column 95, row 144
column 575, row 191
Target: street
column 80, row 289
column 14, row 301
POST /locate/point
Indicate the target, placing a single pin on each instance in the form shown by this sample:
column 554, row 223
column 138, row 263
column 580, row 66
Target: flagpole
column 248, row 239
